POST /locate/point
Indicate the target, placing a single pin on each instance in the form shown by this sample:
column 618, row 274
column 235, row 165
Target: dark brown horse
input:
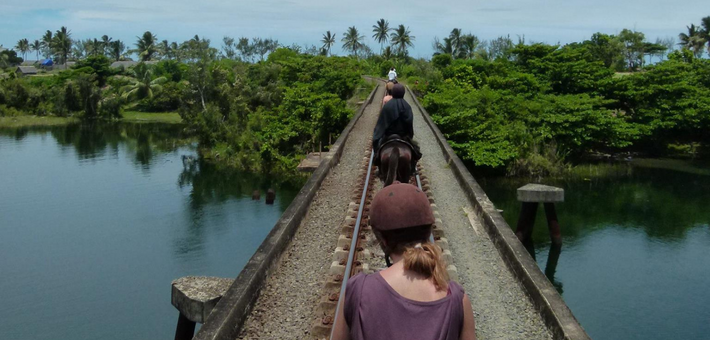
column 395, row 158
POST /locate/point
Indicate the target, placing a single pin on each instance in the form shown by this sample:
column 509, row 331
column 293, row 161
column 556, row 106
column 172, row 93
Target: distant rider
column 396, row 120
column 392, row 75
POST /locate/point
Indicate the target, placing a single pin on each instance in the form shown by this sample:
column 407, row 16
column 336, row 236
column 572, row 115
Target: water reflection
column 553, row 257
column 632, row 243
column 107, row 215
column 665, row 204
column 99, row 139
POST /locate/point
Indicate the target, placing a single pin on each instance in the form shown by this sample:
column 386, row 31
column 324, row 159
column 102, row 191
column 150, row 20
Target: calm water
column 96, row 222
column 635, row 260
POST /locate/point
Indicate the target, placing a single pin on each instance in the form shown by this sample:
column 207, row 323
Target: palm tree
column 23, row 46
column 106, row 44
column 47, row 44
column 61, row 44
column 402, row 39
column 706, row 31
column 94, row 47
column 328, row 42
column 146, row 47
column 142, row 83
column 387, row 53
column 382, row 31
column 468, row 45
column 79, row 49
column 116, row 50
column 693, row 40
column 352, row 41
column 36, row 46
column 453, row 44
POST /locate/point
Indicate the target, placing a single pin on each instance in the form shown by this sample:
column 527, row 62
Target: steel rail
column 353, row 243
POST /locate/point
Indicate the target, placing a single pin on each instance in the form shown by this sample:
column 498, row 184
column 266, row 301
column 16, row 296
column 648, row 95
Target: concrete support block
column 540, row 193
column 196, row 296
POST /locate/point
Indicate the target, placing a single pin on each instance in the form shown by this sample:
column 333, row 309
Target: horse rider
column 392, row 76
column 388, row 93
column 396, row 121
column 413, row 298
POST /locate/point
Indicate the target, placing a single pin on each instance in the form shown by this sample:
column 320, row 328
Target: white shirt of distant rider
column 392, row 75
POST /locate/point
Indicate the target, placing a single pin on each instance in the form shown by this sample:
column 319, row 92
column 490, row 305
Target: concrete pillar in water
column 270, row 196
column 256, row 195
column 532, row 194
column 195, row 297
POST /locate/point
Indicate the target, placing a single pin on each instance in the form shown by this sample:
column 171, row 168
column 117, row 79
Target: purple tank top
column 374, row 311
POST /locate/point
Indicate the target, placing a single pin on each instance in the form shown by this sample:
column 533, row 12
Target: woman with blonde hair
column 388, row 93
column 413, row 298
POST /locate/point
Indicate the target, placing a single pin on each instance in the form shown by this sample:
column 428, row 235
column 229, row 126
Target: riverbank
column 128, row 117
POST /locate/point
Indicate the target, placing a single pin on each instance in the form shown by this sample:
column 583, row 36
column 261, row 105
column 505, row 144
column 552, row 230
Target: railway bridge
column 290, row 286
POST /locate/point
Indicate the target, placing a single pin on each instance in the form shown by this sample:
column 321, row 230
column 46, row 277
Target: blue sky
column 304, row 22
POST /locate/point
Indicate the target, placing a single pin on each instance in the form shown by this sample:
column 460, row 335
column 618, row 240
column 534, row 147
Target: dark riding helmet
column 400, row 206
column 398, row 91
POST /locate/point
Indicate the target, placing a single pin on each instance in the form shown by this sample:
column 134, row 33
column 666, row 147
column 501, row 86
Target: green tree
column 94, row 47
column 228, row 47
column 402, row 39
column 381, row 32
column 23, row 46
column 47, row 39
column 706, row 31
column 116, row 50
column 142, row 85
column 693, row 40
column 246, row 50
column 328, row 41
column 468, row 46
column 146, row 46
column 78, row 50
column 106, row 44
column 352, row 41
column 98, row 66
column 500, row 47
column 61, row 44
column 37, row 47
column 605, row 48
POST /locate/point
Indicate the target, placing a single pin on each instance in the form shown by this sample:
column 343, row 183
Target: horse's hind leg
column 392, row 166
column 405, row 166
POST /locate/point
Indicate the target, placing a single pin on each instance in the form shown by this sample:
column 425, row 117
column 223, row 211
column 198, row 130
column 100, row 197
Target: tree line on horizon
column 496, row 100
column 633, row 44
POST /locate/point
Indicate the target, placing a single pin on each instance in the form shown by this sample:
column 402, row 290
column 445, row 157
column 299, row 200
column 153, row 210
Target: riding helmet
column 399, row 206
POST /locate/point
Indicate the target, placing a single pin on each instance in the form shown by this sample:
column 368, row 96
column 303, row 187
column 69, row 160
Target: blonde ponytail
column 427, row 260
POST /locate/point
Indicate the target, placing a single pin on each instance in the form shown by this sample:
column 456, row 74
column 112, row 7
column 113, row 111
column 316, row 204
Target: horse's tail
column 392, row 164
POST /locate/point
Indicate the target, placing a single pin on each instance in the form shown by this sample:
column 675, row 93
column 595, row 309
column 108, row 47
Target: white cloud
column 305, row 21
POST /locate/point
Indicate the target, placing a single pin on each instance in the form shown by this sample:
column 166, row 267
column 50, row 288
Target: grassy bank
column 151, row 117
column 27, row 121
column 128, row 116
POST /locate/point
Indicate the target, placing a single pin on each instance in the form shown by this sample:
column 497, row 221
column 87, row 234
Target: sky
column 305, row 22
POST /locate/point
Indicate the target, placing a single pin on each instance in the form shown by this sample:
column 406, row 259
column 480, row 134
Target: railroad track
column 357, row 249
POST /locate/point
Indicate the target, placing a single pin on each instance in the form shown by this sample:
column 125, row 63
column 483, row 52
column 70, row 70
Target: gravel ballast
column 502, row 310
column 287, row 304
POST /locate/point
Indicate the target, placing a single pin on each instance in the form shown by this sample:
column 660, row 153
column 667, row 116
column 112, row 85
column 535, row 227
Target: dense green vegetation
column 533, row 108
column 528, row 108
column 255, row 106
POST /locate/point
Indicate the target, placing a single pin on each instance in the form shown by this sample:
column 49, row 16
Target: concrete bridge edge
column 231, row 311
column 556, row 314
